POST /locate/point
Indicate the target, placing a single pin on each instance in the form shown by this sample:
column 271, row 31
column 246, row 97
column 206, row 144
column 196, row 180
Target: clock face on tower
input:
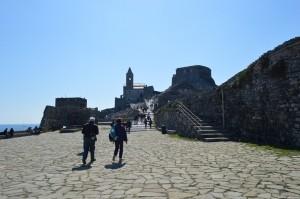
column 129, row 78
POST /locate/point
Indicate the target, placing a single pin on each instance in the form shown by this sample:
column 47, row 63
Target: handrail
column 189, row 114
column 189, row 111
column 181, row 104
column 195, row 121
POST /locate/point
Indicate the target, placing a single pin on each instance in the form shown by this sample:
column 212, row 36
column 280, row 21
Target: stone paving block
column 164, row 168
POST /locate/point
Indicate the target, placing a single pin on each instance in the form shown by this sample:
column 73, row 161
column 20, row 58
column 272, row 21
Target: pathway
column 155, row 166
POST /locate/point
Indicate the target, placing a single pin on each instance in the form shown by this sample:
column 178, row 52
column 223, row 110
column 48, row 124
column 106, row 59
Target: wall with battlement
column 67, row 112
column 75, row 102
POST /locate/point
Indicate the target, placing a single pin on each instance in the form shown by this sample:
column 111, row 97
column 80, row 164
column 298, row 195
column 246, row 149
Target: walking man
column 145, row 122
column 128, row 126
column 89, row 131
column 121, row 137
column 150, row 123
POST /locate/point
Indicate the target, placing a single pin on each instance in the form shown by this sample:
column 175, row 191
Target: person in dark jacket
column 150, row 123
column 11, row 132
column 128, row 126
column 145, row 122
column 121, row 137
column 89, row 131
column 5, row 132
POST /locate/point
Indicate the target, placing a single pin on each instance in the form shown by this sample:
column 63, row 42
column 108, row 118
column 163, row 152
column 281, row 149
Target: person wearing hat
column 121, row 137
column 89, row 131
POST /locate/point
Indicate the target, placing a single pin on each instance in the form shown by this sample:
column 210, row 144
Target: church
column 133, row 93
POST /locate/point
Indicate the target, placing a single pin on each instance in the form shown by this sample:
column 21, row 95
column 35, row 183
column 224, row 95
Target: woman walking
column 121, row 137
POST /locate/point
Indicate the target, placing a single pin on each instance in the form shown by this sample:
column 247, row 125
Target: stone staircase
column 202, row 130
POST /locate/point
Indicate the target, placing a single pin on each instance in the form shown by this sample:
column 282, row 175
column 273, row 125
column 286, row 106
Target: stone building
column 187, row 82
column 197, row 76
column 67, row 112
column 133, row 92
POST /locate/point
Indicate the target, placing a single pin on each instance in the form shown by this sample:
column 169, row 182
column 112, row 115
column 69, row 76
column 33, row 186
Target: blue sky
column 72, row 48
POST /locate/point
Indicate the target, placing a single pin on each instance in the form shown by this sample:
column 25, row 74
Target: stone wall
column 170, row 117
column 76, row 102
column 67, row 114
column 261, row 103
column 103, row 114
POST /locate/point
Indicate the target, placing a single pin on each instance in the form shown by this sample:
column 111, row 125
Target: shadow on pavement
column 80, row 154
column 82, row 167
column 114, row 166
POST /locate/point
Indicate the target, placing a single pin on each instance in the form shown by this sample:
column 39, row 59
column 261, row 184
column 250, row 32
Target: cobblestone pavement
column 154, row 166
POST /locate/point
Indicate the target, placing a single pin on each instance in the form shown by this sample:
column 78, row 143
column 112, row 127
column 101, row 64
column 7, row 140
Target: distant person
column 136, row 118
column 121, row 137
column 150, row 123
column 36, row 130
column 145, row 122
column 128, row 126
column 90, row 132
column 5, row 132
column 11, row 132
column 29, row 130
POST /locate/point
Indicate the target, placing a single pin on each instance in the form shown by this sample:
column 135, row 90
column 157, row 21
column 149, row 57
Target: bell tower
column 129, row 79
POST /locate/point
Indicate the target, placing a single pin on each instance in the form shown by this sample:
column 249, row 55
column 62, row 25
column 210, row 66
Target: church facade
column 133, row 93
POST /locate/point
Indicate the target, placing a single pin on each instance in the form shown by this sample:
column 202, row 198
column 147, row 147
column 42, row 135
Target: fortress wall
column 67, row 112
column 198, row 76
column 261, row 103
column 71, row 102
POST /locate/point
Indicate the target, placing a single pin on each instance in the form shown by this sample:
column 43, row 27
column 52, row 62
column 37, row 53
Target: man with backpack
column 89, row 131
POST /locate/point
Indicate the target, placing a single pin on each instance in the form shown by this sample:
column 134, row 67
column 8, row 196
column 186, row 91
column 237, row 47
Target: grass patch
column 276, row 150
column 177, row 136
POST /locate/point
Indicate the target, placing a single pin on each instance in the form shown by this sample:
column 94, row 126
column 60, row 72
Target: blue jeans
column 88, row 145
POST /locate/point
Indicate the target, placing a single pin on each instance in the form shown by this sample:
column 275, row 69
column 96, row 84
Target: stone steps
column 204, row 130
column 210, row 135
column 203, row 127
column 216, row 139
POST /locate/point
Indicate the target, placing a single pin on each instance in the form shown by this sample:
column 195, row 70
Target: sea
column 17, row 127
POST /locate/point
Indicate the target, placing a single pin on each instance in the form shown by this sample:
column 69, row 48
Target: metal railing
column 195, row 120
